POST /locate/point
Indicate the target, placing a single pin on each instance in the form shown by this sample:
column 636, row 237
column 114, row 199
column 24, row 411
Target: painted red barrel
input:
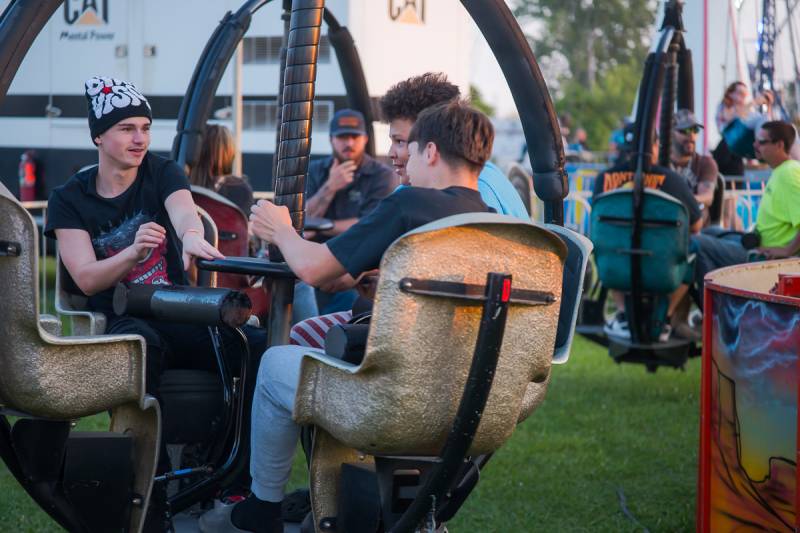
column 749, row 399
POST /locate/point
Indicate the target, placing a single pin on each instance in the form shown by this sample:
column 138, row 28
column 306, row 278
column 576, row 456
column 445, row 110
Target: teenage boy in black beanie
column 132, row 218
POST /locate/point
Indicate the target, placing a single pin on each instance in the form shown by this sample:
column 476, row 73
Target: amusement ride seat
column 664, row 249
column 234, row 239
column 49, row 380
column 664, row 263
column 401, row 399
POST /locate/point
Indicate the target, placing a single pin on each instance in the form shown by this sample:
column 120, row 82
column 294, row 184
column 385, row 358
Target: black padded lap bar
column 307, row 37
column 251, row 266
column 515, row 57
column 288, row 185
column 209, row 306
column 296, row 129
column 294, row 148
column 685, row 80
column 471, row 292
column 22, row 22
column 298, row 105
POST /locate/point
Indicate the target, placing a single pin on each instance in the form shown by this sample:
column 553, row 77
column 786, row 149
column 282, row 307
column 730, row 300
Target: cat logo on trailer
column 86, row 12
column 407, row 11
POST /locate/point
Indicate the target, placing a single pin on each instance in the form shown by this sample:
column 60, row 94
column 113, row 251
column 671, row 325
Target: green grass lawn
column 604, row 430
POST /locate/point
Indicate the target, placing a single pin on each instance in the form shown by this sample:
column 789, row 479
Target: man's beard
column 353, row 156
column 684, row 149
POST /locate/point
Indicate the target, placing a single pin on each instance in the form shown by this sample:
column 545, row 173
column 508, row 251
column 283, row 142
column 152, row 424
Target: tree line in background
column 600, row 46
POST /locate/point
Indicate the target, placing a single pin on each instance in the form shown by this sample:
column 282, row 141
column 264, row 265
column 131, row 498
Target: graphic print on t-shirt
column 152, row 270
column 617, row 180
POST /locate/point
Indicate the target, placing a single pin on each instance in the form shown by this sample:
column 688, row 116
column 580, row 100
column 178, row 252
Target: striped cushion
column 311, row 332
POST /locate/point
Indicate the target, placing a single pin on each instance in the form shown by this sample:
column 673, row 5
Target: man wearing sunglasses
column 778, row 221
column 700, row 171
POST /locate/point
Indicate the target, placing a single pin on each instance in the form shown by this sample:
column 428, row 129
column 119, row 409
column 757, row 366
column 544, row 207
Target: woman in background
column 213, row 169
column 737, row 104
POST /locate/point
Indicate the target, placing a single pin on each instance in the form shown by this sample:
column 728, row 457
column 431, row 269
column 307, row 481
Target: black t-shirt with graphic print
column 112, row 223
column 660, row 178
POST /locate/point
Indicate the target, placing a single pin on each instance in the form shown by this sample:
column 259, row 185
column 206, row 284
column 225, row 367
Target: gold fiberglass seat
column 48, row 380
column 390, row 415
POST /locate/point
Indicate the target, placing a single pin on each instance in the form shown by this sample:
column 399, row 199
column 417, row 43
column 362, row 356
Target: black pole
column 645, row 117
column 473, row 401
column 355, row 83
column 536, row 111
column 295, row 145
column 668, row 99
column 685, row 80
column 285, row 17
column 199, row 97
column 20, row 23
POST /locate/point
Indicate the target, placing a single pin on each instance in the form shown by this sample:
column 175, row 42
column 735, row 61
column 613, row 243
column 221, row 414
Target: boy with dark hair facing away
column 448, row 146
column 400, row 106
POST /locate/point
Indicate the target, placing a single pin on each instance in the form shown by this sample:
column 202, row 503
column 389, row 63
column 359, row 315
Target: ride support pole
column 295, row 145
column 668, row 99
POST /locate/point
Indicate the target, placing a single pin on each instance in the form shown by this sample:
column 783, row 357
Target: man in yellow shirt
column 778, row 221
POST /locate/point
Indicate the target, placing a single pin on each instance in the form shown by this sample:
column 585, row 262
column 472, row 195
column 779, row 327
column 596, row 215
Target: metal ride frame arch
column 22, row 21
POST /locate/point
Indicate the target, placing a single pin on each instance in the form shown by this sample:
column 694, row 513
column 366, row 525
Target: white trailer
column 155, row 45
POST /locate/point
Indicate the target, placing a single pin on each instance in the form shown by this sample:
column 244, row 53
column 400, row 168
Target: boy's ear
column 432, row 153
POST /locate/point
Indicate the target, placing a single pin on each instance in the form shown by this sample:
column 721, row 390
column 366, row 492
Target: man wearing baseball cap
column 344, row 187
column 348, row 184
column 700, row 171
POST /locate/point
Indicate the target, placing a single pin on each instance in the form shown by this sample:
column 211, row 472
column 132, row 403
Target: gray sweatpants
column 274, row 434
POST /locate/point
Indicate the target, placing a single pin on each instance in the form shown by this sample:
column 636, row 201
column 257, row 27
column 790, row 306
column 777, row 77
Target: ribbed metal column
column 294, row 147
column 285, row 17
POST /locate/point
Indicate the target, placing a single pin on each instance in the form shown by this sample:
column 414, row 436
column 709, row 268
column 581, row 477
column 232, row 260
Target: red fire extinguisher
column 27, row 176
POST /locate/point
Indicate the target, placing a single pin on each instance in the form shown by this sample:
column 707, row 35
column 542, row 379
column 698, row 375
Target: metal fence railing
column 743, row 194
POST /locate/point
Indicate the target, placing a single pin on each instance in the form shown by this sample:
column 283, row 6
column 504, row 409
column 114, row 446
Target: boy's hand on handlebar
column 268, row 220
column 148, row 237
column 194, row 245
